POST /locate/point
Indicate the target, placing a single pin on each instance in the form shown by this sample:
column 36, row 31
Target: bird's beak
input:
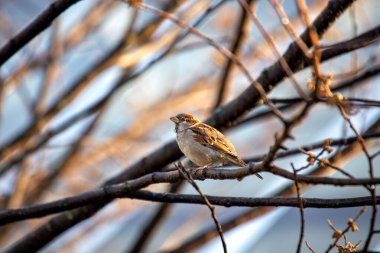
column 174, row 119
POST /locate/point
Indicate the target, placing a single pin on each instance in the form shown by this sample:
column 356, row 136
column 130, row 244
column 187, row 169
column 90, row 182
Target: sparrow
column 204, row 145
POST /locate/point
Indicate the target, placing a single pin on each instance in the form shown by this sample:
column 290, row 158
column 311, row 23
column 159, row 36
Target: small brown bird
column 204, row 145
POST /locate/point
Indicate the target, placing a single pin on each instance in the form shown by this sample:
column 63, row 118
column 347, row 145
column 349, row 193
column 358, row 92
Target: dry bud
column 311, row 158
column 327, row 142
column 323, row 162
column 338, row 96
column 352, row 225
column 337, row 234
column 327, row 145
column 349, row 247
column 325, row 91
column 329, row 149
column 311, row 85
column 324, row 87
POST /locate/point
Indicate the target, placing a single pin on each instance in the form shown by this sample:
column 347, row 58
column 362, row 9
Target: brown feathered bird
column 204, row 145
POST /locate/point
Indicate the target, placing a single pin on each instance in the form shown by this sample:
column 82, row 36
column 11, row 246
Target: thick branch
column 42, row 22
column 360, row 41
column 110, row 192
column 38, row 211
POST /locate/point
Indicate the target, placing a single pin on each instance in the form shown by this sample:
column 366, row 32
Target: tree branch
column 39, row 24
column 270, row 77
column 187, row 175
column 42, row 210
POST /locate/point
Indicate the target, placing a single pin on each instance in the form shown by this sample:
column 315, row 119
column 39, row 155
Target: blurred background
column 93, row 94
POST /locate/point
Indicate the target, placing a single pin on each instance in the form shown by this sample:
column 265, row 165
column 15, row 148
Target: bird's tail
column 239, row 162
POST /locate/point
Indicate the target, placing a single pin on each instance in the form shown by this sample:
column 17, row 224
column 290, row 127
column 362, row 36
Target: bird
column 203, row 145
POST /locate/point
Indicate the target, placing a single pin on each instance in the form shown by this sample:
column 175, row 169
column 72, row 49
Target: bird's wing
column 212, row 138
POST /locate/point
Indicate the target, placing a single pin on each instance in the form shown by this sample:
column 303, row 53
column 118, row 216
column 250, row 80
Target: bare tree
column 87, row 91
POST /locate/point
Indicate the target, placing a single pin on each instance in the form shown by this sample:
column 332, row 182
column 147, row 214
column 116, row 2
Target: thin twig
column 335, row 142
column 51, row 70
column 302, row 7
column 309, row 247
column 289, row 28
column 235, row 49
column 324, row 162
column 358, row 135
column 302, row 215
column 190, row 179
column 372, row 188
column 275, row 50
column 354, row 23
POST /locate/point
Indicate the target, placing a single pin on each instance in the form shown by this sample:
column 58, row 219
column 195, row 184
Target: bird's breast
column 195, row 152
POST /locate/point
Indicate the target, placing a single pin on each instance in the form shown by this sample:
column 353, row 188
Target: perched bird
column 204, row 145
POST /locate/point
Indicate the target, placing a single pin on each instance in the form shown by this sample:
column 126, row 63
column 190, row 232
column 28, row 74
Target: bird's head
column 185, row 120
